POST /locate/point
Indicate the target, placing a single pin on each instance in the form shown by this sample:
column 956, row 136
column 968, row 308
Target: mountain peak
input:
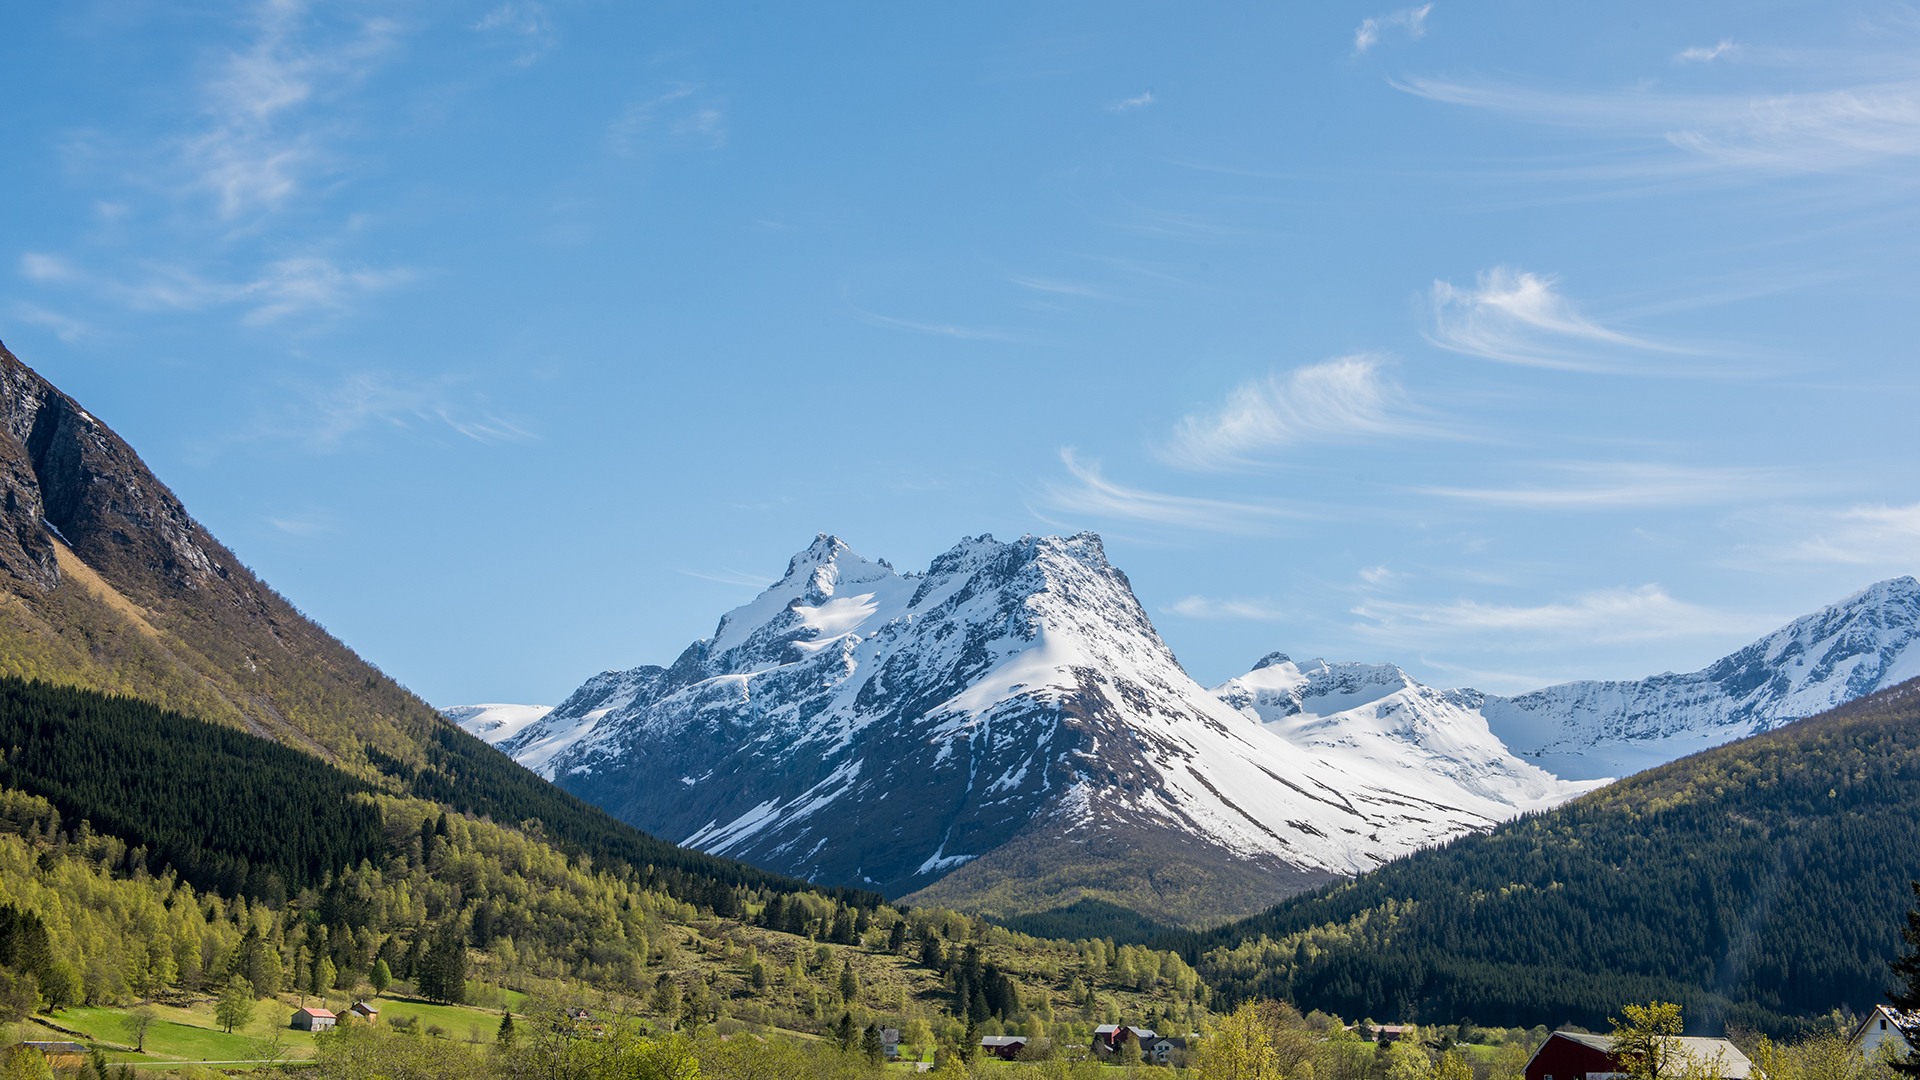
column 1271, row 659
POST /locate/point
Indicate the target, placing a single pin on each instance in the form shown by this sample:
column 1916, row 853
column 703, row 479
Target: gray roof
column 1003, row 1040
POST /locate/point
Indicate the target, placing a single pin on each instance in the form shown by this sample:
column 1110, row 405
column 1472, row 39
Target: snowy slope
column 853, row 724
column 495, row 724
column 1590, row 729
column 1375, row 716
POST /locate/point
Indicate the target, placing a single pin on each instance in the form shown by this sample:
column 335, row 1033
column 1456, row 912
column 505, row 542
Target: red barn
column 1568, row 1055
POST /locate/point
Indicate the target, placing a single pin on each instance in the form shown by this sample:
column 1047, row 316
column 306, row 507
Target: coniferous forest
column 1758, row 884
column 236, row 814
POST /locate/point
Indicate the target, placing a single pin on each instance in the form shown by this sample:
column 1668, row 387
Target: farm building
column 314, row 1019
column 1568, row 1055
column 364, row 1011
column 1006, row 1047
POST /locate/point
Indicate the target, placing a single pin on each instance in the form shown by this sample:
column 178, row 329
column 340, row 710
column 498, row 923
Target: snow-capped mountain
column 1591, row 729
column 857, row 725
column 495, row 724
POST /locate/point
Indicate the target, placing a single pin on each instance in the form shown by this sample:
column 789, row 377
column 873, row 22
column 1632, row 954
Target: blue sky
column 1509, row 342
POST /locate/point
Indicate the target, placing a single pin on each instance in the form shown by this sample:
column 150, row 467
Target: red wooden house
column 1568, row 1055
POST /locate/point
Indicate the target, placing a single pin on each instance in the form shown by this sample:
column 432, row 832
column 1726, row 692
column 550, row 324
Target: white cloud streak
column 951, row 330
column 732, row 577
column 1139, row 101
column 1413, row 20
column 61, row 326
column 288, row 287
column 1606, row 616
column 1201, row 607
column 1095, row 495
column 526, row 24
column 1057, row 287
column 1844, row 129
column 1705, row 54
column 1617, row 485
column 1338, row 399
column 1864, row 535
column 330, row 416
column 687, row 117
column 1517, row 317
column 251, row 153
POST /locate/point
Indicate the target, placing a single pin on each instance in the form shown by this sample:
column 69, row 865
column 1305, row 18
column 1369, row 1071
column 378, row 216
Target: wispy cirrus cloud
column 328, row 417
column 1412, row 20
column 524, row 24
column 681, row 112
column 1880, row 534
column 1058, row 287
column 1093, row 494
column 287, row 287
column 1610, row 616
column 1841, row 129
column 1517, row 317
column 731, row 577
column 61, row 326
column 1342, row 398
column 1598, row 485
column 1706, row 53
column 1138, row 101
column 255, row 148
column 1201, row 607
column 951, row 330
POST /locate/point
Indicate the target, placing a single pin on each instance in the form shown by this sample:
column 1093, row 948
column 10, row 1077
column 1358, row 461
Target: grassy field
column 191, row 1035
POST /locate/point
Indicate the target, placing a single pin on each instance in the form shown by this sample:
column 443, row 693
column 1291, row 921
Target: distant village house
column 1568, row 1055
column 1109, row 1038
column 314, row 1019
column 364, row 1011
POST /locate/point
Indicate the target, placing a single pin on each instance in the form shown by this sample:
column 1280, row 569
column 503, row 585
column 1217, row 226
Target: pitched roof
column 316, row 1012
column 1733, row 1064
column 1897, row 1018
column 1003, row 1040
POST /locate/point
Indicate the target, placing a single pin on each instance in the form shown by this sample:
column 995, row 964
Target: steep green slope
column 1759, row 883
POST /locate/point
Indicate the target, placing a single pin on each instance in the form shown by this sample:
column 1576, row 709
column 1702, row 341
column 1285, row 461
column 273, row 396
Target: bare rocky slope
column 109, row 583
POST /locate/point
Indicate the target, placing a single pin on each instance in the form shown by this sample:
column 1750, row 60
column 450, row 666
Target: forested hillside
column 236, row 814
column 1760, row 883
